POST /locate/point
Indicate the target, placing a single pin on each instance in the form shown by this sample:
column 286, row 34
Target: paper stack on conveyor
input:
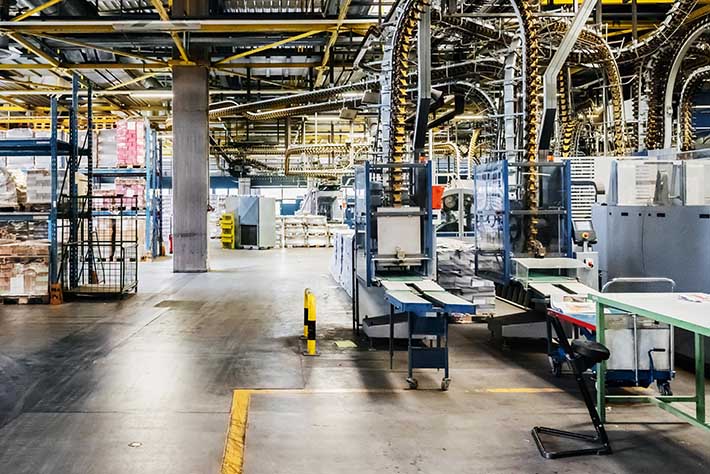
column 456, row 274
column 341, row 263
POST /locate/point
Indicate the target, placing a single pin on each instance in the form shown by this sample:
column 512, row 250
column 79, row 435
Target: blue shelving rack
column 152, row 172
column 71, row 152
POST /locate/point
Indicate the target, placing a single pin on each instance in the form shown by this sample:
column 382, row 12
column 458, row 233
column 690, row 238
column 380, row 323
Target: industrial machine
column 395, row 295
column 457, row 212
column 557, row 283
column 256, row 221
column 656, row 223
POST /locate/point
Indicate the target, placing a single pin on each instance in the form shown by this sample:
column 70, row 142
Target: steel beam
column 36, row 9
column 116, row 52
column 266, row 47
column 36, row 50
column 549, row 81
column 163, row 14
column 188, row 26
column 344, row 7
column 423, row 80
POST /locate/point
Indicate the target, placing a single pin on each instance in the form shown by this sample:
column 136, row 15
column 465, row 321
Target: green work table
column 677, row 309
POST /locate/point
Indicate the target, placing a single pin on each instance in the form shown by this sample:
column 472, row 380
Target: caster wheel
column 413, row 384
column 555, row 366
column 665, row 389
column 445, row 384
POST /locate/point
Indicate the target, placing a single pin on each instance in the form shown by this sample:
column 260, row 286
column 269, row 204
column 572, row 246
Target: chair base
column 601, row 448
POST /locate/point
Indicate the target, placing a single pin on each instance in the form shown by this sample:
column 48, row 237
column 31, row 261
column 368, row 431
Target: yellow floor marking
column 521, row 390
column 233, row 460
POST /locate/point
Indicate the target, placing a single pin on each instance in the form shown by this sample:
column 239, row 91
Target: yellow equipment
column 228, row 225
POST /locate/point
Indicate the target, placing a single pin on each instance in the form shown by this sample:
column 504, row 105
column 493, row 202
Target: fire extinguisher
column 170, row 240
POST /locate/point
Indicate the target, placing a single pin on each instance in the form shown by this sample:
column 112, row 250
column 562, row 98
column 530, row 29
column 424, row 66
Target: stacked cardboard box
column 24, row 268
column 8, row 189
column 131, row 187
column 294, row 232
column 39, row 186
column 130, row 143
column 316, row 230
column 456, row 273
column 107, row 150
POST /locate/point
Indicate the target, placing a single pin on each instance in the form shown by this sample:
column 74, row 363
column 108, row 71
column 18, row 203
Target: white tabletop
column 672, row 308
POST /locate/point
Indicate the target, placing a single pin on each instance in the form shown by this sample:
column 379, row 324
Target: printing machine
column 395, row 295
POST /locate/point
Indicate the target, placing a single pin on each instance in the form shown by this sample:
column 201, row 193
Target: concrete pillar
column 190, row 168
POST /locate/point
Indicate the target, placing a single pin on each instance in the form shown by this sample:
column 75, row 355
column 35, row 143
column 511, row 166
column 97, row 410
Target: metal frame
column 364, row 224
column 664, row 402
column 485, row 171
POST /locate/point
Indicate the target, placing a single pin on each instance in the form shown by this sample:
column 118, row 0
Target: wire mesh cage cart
column 101, row 259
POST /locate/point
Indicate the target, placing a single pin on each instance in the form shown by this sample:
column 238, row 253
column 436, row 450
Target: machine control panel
column 583, row 231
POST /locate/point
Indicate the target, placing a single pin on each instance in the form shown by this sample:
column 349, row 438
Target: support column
column 190, row 168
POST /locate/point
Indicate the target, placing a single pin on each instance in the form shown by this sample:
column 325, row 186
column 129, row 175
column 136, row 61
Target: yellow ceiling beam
column 116, row 52
column 333, row 38
column 85, row 66
column 132, row 81
column 359, row 26
column 36, row 9
column 22, row 41
column 266, row 47
column 163, row 14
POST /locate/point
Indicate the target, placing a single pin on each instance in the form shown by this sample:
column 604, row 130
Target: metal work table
column 671, row 308
column 427, row 307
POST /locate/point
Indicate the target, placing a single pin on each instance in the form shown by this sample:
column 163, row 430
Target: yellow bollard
column 305, row 313
column 311, row 326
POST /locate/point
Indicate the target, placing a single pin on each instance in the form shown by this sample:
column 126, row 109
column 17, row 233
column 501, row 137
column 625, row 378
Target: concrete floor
column 144, row 385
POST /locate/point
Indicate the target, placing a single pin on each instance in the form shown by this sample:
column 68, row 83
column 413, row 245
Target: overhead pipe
column 301, row 110
column 322, row 149
column 291, row 100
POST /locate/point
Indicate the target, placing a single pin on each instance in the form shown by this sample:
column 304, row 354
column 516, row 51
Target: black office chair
column 582, row 356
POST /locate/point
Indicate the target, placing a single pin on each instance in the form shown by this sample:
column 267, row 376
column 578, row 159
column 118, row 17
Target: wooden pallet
column 37, row 207
column 38, row 299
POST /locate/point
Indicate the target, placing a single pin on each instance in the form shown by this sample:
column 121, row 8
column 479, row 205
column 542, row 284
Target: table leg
column 699, row 378
column 601, row 367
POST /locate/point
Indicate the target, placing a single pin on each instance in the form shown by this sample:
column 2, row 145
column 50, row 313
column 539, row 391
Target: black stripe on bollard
column 312, row 330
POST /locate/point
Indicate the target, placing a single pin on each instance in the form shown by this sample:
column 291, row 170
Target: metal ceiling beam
column 190, row 26
column 132, row 81
column 333, row 37
column 268, row 46
column 81, row 44
column 36, row 9
column 36, row 50
column 163, row 14
column 151, row 66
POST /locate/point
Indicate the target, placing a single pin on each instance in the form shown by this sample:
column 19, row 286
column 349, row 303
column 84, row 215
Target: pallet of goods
column 130, row 143
column 131, row 187
column 24, row 272
column 456, row 274
column 8, row 190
